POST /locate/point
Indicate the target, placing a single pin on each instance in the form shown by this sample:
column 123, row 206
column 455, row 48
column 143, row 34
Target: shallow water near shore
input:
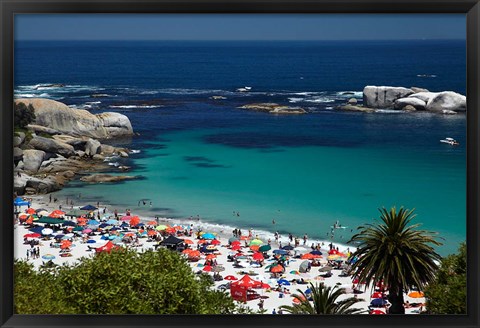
column 204, row 157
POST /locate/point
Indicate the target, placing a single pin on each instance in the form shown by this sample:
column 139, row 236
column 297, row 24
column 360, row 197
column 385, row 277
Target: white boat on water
column 450, row 141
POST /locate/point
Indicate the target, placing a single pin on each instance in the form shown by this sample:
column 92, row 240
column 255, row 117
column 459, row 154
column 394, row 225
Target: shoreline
column 222, row 229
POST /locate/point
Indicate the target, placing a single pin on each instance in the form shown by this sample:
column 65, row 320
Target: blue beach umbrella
column 59, row 236
column 280, row 251
column 208, row 236
column 36, row 230
column 93, row 222
column 283, row 282
column 91, row 241
column 378, row 302
column 288, row 247
column 112, row 222
column 103, row 225
column 316, row 252
column 88, row 208
column 69, row 223
column 48, row 257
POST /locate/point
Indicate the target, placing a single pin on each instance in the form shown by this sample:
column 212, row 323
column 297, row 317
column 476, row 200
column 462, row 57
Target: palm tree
column 324, row 302
column 395, row 253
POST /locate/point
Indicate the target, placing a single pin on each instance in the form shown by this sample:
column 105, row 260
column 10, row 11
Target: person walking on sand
column 305, row 238
column 50, row 198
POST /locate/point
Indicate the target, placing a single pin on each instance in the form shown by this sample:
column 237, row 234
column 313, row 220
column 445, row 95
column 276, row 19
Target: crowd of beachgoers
column 47, row 232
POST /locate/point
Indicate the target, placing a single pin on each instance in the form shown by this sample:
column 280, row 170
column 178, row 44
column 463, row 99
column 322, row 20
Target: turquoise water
column 305, row 189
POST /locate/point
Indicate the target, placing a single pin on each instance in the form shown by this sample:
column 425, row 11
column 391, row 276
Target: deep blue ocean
column 206, row 157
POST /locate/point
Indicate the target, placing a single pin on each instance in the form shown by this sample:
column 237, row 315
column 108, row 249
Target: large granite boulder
column 52, row 146
column 17, row 153
column 115, row 124
column 33, row 159
column 78, row 122
column 42, row 129
column 92, row 147
column 383, row 96
column 417, row 103
column 17, row 141
column 447, row 101
column 425, row 96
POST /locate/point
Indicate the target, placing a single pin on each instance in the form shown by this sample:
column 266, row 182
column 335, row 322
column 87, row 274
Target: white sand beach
column 274, row 296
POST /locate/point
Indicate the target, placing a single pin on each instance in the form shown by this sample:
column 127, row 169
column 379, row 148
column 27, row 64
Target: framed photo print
column 191, row 163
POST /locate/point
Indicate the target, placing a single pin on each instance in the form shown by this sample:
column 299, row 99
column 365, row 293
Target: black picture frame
column 9, row 8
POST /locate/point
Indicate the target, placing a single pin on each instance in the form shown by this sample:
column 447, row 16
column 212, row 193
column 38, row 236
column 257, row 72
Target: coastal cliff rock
column 52, row 146
column 447, row 101
column 274, row 108
column 92, row 147
column 383, row 96
column 425, row 96
column 417, row 103
column 100, row 178
column 78, row 122
column 32, row 159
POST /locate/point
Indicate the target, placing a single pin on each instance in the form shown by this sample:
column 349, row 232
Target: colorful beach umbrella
column 255, row 242
column 265, row 248
column 188, row 241
column 32, row 235
column 48, row 257
column 258, row 257
column 377, row 312
column 208, row 236
column 416, row 294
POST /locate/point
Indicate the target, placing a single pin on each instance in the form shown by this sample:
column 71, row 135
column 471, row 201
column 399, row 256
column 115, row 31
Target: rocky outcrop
column 352, row 101
column 42, row 129
column 57, row 116
column 447, row 101
column 17, row 153
column 355, row 108
column 399, row 98
column 52, row 146
column 416, row 103
column 274, row 108
column 33, row 159
column 100, row 178
column 92, row 147
column 115, row 124
column 383, row 96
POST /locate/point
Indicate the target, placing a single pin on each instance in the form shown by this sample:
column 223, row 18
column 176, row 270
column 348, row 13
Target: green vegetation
column 324, row 301
column 447, row 294
column 123, row 282
column 395, row 253
column 23, row 115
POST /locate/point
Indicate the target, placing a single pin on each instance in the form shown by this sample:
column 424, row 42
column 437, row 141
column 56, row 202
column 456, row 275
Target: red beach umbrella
column 377, row 312
column 32, row 235
column 258, row 256
column 377, row 295
column 332, row 252
column 188, row 241
column 210, row 257
column 31, row 211
column 134, row 221
column 152, row 223
column 215, row 242
column 207, row 268
column 235, row 242
column 236, row 248
column 230, row 278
